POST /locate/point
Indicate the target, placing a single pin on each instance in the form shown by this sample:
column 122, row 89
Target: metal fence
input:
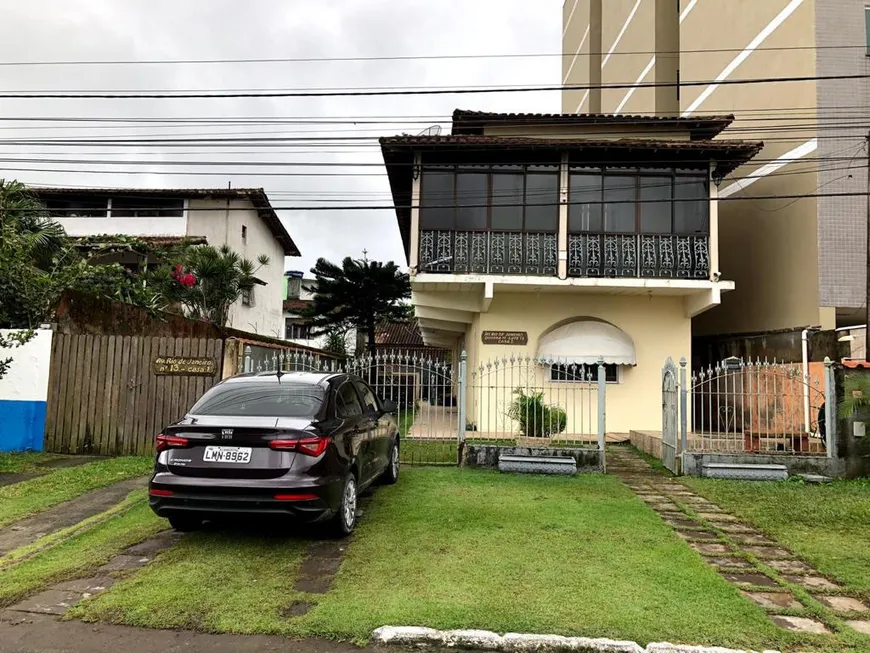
column 758, row 406
column 536, row 402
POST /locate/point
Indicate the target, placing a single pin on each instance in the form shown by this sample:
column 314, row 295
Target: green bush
column 537, row 419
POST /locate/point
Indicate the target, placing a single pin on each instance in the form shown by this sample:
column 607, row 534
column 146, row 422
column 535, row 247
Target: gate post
column 830, row 409
column 460, row 427
column 249, row 366
column 602, row 389
column 684, row 415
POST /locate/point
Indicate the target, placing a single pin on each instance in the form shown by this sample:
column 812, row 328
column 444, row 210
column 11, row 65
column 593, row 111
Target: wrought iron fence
column 757, row 406
column 489, row 252
column 638, row 255
column 536, row 402
column 423, row 387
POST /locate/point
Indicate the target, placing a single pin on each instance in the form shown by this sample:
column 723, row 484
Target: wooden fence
column 107, row 395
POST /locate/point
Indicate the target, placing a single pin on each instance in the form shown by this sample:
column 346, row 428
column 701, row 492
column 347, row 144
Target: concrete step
column 745, row 472
column 565, row 465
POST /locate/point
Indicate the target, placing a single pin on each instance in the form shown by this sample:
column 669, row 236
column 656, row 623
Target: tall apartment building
column 797, row 262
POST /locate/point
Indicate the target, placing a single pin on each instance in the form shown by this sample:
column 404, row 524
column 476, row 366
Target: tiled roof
column 399, row 334
column 257, row 197
column 700, row 127
column 295, row 305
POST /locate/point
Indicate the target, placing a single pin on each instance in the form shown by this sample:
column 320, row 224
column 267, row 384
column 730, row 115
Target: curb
column 485, row 640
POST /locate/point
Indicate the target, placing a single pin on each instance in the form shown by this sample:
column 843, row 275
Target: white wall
column 225, row 227
column 127, row 226
column 24, row 393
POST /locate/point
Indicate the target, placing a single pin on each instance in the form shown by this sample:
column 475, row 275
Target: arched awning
column 585, row 342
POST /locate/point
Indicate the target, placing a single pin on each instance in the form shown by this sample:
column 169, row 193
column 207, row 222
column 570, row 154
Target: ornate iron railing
column 488, row 252
column 638, row 255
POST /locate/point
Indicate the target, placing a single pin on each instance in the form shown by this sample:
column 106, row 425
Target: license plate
column 237, row 455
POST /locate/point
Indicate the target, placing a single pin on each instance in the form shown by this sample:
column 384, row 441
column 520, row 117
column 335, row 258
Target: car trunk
column 234, row 447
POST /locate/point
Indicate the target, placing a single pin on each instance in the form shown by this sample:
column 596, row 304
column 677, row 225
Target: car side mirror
column 388, row 405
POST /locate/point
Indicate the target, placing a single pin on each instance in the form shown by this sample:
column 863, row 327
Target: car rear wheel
column 185, row 523
column 344, row 520
column 391, row 473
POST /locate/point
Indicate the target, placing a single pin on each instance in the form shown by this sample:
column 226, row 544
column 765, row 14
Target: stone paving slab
column 123, row 563
column 717, row 516
column 52, row 601
column 791, row 567
column 698, row 536
column 732, row 527
column 752, row 539
column 813, row 582
column 773, row 600
column 682, row 523
column 759, row 580
column 709, row 547
column 87, row 585
column 800, row 624
column 842, row 603
column 861, row 625
column 732, row 562
column 767, row 551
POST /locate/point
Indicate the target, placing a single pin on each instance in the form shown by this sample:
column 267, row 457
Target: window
column 542, row 200
column 436, row 210
column 656, row 204
column 77, row 207
column 583, row 373
column 261, row 399
column 507, row 198
column 691, row 210
column 471, row 196
column 867, row 27
column 244, row 233
column 147, row 207
column 585, row 209
column 369, row 399
column 619, row 204
column 247, row 297
column 296, row 330
column 346, row 401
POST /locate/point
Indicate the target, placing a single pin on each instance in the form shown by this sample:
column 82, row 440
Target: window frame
column 674, row 174
column 157, row 206
column 362, row 388
column 490, row 171
column 347, row 382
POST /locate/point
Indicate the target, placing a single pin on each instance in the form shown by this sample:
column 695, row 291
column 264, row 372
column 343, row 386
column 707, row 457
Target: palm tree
column 360, row 293
column 207, row 280
column 22, row 216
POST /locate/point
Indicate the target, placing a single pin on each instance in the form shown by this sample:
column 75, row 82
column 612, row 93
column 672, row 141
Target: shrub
column 537, row 419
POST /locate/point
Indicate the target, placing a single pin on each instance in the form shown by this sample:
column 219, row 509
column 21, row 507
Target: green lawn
column 38, row 494
column 827, row 525
column 452, row 548
column 28, row 462
column 78, row 556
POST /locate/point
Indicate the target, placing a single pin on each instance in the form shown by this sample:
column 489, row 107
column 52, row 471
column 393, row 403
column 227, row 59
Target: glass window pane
column 619, row 216
column 584, row 213
column 656, row 201
column 436, row 201
column 542, row 201
column 691, row 210
column 471, row 192
column 260, row 399
column 147, row 207
column 507, row 201
column 346, row 402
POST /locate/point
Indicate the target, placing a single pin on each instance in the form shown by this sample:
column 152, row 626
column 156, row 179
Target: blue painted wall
column 22, row 425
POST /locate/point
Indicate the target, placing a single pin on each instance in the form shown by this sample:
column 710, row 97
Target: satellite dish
column 434, row 130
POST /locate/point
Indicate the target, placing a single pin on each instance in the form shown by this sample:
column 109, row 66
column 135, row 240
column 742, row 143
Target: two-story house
column 298, row 297
column 568, row 238
column 241, row 218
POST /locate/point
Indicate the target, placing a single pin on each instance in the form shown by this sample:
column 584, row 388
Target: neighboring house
column 241, row 218
column 796, row 262
column 532, row 235
column 401, row 338
column 299, row 296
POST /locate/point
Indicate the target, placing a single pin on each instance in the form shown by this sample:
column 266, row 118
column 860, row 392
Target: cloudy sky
column 149, row 30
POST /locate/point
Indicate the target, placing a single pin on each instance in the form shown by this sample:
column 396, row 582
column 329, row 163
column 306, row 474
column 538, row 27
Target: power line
column 421, row 91
column 518, row 55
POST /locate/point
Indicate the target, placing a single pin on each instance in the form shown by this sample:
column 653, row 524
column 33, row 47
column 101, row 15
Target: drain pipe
column 805, row 362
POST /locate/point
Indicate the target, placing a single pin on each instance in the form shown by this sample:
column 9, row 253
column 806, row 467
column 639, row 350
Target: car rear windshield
column 254, row 399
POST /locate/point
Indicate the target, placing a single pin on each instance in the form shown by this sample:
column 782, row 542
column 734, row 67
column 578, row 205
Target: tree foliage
column 359, row 293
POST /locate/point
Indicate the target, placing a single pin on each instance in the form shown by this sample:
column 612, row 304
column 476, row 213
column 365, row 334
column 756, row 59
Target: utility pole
column 867, row 282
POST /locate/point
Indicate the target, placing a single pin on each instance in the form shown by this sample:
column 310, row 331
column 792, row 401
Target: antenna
column 434, row 130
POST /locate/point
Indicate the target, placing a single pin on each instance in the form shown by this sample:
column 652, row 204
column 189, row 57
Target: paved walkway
column 791, row 591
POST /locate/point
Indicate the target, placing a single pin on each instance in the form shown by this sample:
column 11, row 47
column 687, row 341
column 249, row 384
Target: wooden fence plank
column 71, row 393
column 81, row 395
column 111, row 373
column 142, row 431
column 132, row 392
column 54, row 411
column 98, row 381
column 119, row 396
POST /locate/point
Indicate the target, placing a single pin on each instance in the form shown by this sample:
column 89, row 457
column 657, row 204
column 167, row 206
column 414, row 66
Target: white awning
column 585, row 342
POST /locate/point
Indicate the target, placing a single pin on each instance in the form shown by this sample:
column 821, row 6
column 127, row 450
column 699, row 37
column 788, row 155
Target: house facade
column 794, row 239
column 298, row 297
column 565, row 239
column 242, row 219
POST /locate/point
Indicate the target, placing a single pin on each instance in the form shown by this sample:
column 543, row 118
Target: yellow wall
column 657, row 325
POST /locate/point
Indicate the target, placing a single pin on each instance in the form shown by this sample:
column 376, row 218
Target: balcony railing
column 489, row 252
column 638, row 256
column 589, row 254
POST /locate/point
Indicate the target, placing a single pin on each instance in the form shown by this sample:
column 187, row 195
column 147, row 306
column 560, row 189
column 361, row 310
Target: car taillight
column 160, row 493
column 306, row 446
column 165, row 442
column 295, row 497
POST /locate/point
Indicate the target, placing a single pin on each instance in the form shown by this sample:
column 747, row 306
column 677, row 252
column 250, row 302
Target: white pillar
column 714, row 225
column 414, row 240
column 563, row 218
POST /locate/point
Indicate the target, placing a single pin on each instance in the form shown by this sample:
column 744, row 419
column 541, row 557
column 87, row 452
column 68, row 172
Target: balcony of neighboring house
column 621, row 222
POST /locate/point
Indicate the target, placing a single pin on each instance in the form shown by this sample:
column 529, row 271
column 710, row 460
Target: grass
column 79, row 555
column 38, row 494
column 24, row 463
column 452, row 548
column 827, row 525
